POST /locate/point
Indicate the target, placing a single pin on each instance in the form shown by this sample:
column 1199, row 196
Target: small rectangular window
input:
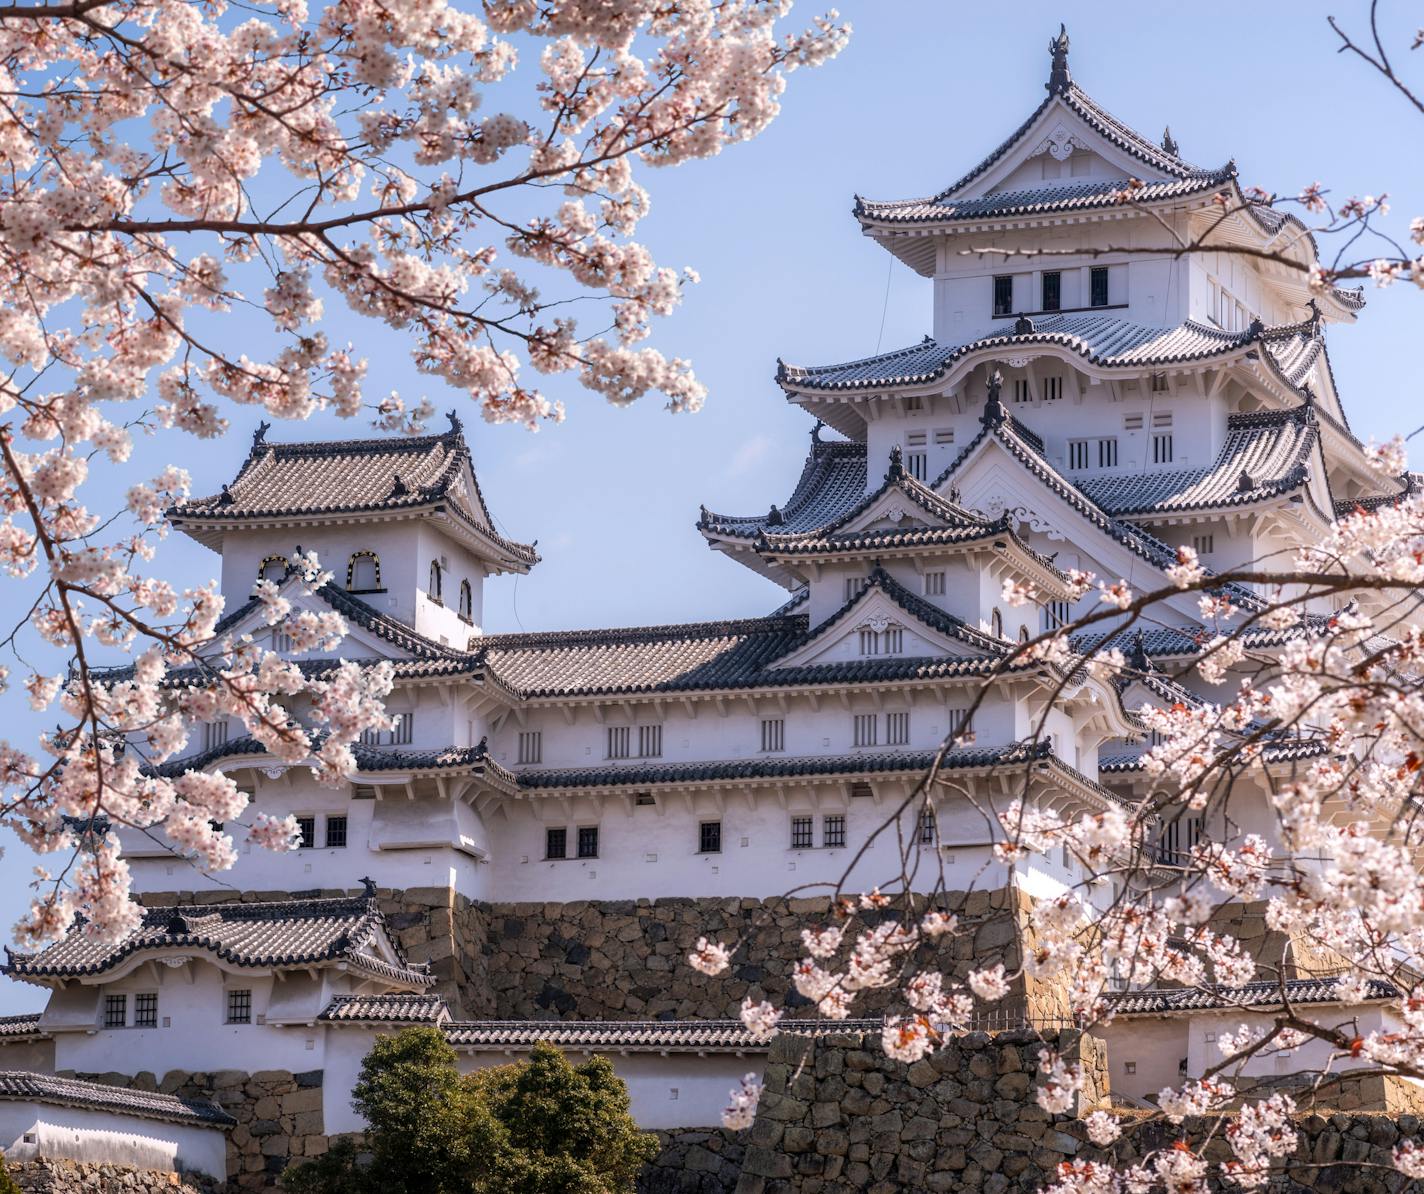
column 894, row 639
column 556, row 843
column 1161, row 418
column 1204, row 545
column 645, row 800
column 336, row 833
column 709, row 837
column 869, row 642
column 1159, row 383
column 773, row 735
column 833, row 830
column 1052, row 389
column 934, row 584
column 1004, row 294
column 1132, row 422
column 306, row 827
column 929, row 828
column 854, row 587
column 916, row 439
column 116, row 1011
column 1107, row 452
column 802, row 833
column 944, row 435
column 650, row 742
column 588, row 841
column 239, row 1007
column 957, row 720
column 402, row 730
column 897, row 728
column 917, row 464
column 281, row 642
column 619, row 738
column 1099, row 286
column 914, row 403
column 214, row 734
column 146, row 1010
column 1077, row 453
column 531, row 746
column 1056, row 614
column 1162, row 448
column 860, row 790
column 865, row 727
column 1052, row 290
column 1021, row 389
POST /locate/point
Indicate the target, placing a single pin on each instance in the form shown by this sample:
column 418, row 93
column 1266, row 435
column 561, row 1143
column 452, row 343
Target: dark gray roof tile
column 386, row 1009
column 21, row 1086
column 1255, row 995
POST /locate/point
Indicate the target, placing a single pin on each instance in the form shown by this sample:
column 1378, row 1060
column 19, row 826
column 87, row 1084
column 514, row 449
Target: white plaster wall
column 1155, row 1048
column 32, row 1130
column 37, row 1056
column 1205, row 1030
column 192, row 1032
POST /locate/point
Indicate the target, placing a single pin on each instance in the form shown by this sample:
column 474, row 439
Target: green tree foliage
column 540, row 1127
column 8, row 1185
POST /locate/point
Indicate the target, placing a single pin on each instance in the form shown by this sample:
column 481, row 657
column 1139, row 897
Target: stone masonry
column 278, row 1113
column 839, row 1117
column 56, row 1176
column 695, row 1161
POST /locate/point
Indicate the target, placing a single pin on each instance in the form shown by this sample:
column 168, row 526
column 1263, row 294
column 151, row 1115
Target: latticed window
column 1159, row 383
column 273, row 568
column 437, row 583
column 1022, row 393
column 556, row 843
column 1056, row 614
column 588, row 841
column 934, row 584
column 1204, row 545
column 336, row 833
column 958, row 719
column 917, row 464
column 619, row 740
column 116, row 1011
column 709, row 837
column 1162, row 447
column 894, row 638
column 773, row 734
column 1004, row 294
column 306, row 828
column 1052, row 389
column 239, row 1007
column 865, row 727
column 833, row 830
column 1098, row 286
column 854, row 587
column 650, row 742
column 146, row 1010
column 466, row 609
column 929, row 826
column 802, row 833
column 897, row 728
column 869, row 641
column 1077, row 453
column 531, row 746
column 1052, row 290
column 1107, row 452
column 214, row 734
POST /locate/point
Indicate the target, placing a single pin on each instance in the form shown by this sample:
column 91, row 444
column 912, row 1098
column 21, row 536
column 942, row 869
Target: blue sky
column 925, row 88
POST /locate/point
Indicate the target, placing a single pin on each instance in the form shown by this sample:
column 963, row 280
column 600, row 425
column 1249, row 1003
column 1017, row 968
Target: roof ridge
column 624, row 634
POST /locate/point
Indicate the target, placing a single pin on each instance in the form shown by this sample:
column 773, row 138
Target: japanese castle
column 1090, row 397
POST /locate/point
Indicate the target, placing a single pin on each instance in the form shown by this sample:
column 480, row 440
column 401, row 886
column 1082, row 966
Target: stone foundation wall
column 278, row 1113
column 695, row 1161
column 837, row 1117
column 45, row 1176
column 625, row 959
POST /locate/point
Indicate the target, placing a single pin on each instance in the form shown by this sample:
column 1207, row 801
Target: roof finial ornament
column 816, row 432
column 1138, row 660
column 1245, row 483
column 774, row 517
column 954, row 494
column 1059, row 80
column 1024, row 326
column 226, row 499
column 897, row 463
column 455, row 425
column 368, row 887
column 1169, row 142
column 994, row 413
column 259, row 437
column 399, row 487
column 1314, row 311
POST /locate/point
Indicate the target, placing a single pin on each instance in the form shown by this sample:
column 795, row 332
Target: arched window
column 467, row 602
column 363, row 572
column 1023, row 633
column 436, row 583
column 996, row 623
column 273, row 568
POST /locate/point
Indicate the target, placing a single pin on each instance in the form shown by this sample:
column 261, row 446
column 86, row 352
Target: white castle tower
column 558, row 815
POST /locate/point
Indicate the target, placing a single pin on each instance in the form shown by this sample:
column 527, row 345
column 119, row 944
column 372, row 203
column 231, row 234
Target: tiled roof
column 368, row 758
column 386, row 1009
column 319, row 479
column 280, row 934
column 832, row 483
column 660, row 1035
column 20, row 1026
column 1167, row 642
column 1264, row 994
column 1265, row 455
column 1098, row 339
column 1410, row 483
column 1064, row 197
column 21, row 1086
column 1274, row 752
column 869, row 762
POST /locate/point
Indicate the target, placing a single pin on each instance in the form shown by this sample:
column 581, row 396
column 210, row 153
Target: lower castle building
column 555, row 818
